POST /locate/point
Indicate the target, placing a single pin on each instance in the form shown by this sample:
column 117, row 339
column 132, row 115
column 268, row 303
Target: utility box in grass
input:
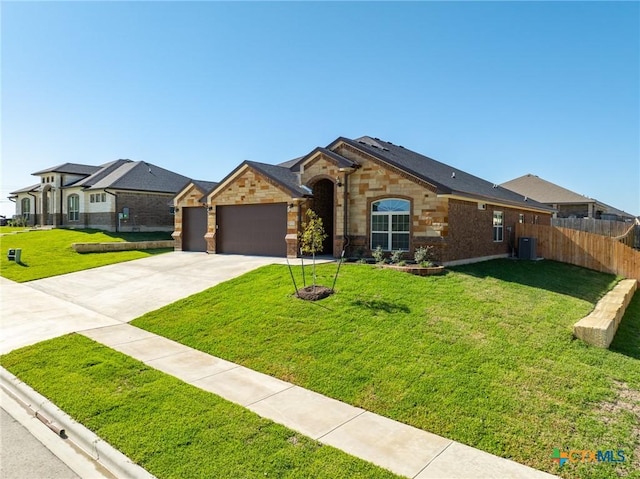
column 14, row 254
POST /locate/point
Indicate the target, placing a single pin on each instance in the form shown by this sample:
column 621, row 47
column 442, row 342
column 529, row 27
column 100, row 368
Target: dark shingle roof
column 447, row 179
column 141, row 176
column 26, row 189
column 103, row 172
column 341, row 161
column 282, row 175
column 290, row 163
column 544, row 191
column 205, row 185
column 70, row 168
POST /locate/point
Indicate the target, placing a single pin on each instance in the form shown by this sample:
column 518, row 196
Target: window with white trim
column 73, row 208
column 25, row 207
column 498, row 226
column 390, row 224
column 520, row 218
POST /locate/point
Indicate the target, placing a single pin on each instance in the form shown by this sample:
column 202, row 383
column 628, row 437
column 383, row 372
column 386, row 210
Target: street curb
column 95, row 447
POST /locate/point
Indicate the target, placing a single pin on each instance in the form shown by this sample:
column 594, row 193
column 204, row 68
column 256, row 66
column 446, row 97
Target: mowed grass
column 170, row 428
column 48, row 253
column 483, row 355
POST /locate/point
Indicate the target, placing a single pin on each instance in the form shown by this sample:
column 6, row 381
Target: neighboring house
column 368, row 193
column 568, row 203
column 122, row 195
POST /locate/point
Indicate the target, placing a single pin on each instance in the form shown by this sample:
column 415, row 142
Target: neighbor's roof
column 26, row 189
column 447, row 179
column 138, row 176
column 544, row 191
column 70, row 168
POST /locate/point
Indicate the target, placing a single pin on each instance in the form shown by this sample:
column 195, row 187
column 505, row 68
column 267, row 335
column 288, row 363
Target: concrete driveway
column 118, row 293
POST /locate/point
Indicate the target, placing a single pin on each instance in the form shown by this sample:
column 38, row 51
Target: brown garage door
column 252, row 229
column 194, row 227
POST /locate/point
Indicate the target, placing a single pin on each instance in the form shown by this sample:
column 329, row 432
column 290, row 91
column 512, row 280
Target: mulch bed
column 311, row 293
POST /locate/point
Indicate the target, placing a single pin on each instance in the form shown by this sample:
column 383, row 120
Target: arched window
column 73, row 209
column 390, row 224
column 25, row 207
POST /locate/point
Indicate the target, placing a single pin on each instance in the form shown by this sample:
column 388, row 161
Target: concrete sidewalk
column 402, row 449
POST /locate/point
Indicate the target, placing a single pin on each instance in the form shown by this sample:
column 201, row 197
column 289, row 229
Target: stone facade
column 188, row 197
column 251, row 187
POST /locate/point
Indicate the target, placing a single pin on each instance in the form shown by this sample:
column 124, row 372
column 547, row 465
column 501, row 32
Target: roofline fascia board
column 354, row 144
column 495, row 201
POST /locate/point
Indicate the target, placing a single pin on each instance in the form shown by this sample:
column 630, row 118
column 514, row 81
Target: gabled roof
column 139, row 176
column 105, row 170
column 447, row 179
column 341, row 161
column 282, row 176
column 69, row 168
column 290, row 163
column 544, row 191
column 205, row 186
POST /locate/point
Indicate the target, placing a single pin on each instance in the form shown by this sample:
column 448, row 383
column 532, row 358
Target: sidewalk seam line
column 270, row 395
column 434, row 458
column 342, row 424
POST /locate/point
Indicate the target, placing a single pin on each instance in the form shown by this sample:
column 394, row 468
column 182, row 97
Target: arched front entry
column 323, row 205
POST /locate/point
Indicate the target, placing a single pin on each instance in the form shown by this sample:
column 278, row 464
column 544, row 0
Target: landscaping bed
column 483, row 355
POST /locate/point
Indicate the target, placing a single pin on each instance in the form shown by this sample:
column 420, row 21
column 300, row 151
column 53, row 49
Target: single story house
column 568, row 204
column 121, row 195
column 369, row 193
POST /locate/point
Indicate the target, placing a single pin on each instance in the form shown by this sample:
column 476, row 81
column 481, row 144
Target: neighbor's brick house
column 121, row 195
column 368, row 192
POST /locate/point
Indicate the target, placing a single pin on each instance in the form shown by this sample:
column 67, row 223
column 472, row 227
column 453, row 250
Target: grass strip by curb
column 172, row 429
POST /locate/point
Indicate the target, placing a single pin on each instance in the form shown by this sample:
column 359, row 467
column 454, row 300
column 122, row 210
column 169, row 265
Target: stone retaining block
column 121, row 246
column 599, row 327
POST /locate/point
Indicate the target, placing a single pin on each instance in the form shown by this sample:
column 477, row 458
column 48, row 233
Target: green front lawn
column 483, row 355
column 48, row 253
column 170, row 428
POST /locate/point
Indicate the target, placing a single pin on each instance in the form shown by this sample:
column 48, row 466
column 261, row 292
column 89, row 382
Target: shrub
column 424, row 256
column 378, row 254
column 396, row 256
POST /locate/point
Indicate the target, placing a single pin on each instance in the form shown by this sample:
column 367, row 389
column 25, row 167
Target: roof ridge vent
column 385, row 149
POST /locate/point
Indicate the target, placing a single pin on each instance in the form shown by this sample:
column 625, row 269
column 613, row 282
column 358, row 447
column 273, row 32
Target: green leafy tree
column 312, row 238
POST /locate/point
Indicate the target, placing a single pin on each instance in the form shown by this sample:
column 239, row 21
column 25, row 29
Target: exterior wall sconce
column 289, row 206
column 210, row 208
column 338, row 182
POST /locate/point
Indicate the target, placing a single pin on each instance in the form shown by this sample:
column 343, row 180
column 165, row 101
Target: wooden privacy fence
column 592, row 225
column 589, row 250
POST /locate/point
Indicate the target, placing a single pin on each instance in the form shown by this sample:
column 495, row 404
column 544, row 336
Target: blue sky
column 498, row 89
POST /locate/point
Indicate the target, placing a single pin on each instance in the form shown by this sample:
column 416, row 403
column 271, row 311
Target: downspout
column 35, row 208
column 117, row 222
column 60, row 215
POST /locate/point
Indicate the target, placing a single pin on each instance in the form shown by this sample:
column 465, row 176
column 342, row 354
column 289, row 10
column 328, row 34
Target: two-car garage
column 256, row 229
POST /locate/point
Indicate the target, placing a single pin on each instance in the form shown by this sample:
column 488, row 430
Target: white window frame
column 26, row 212
column 498, row 226
column 73, row 207
column 389, row 214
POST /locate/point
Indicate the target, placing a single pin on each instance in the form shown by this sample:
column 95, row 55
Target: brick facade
column 471, row 230
column 147, row 212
